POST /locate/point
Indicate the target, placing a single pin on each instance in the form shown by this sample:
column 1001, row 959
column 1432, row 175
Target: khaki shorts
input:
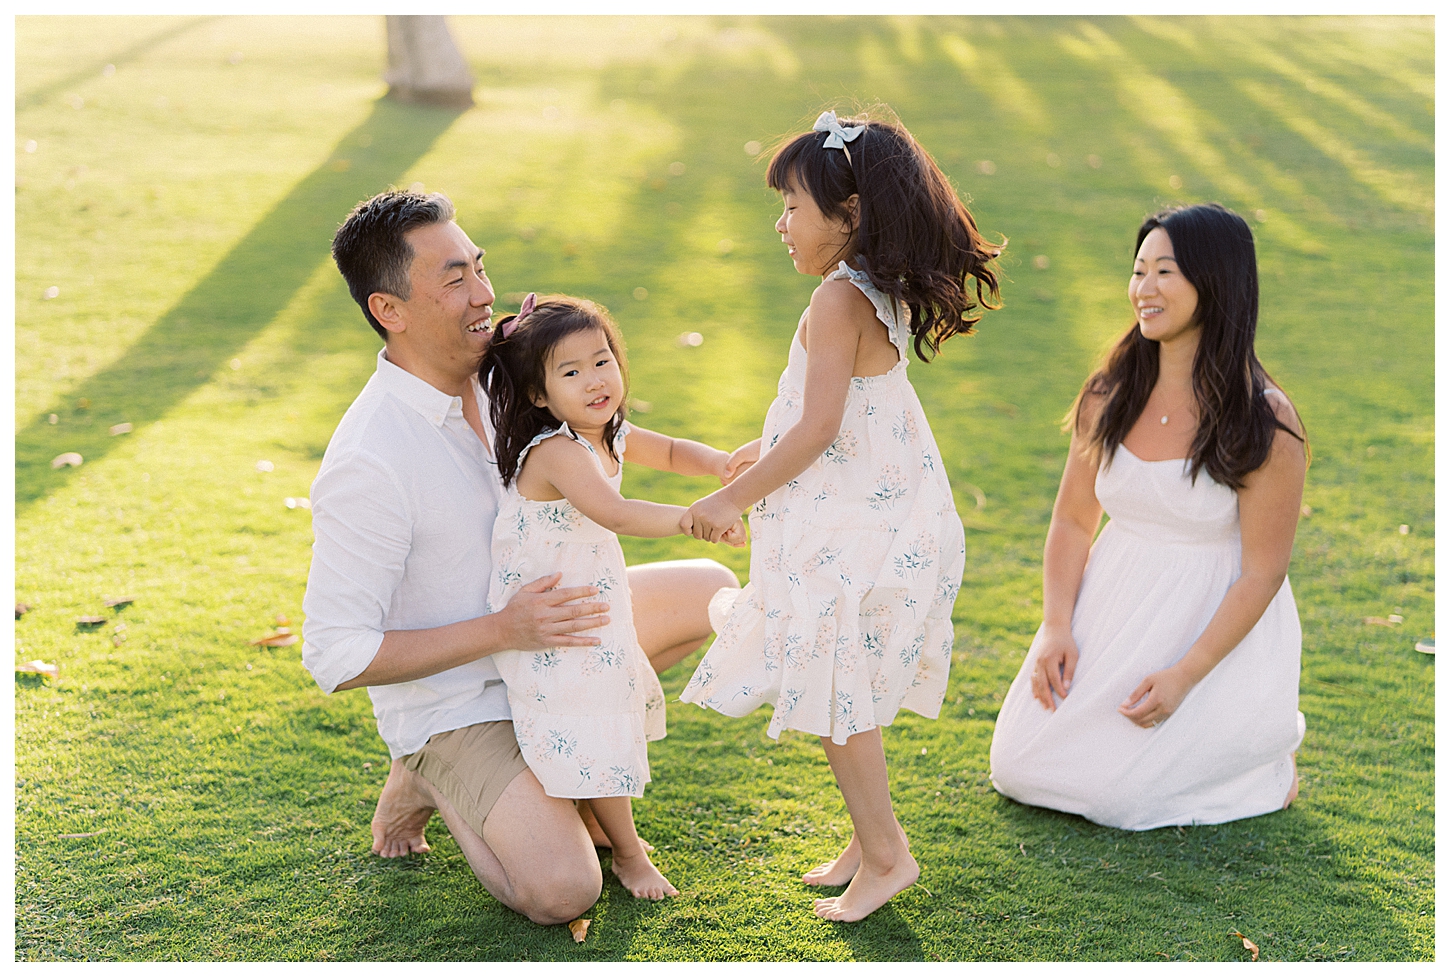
column 470, row 767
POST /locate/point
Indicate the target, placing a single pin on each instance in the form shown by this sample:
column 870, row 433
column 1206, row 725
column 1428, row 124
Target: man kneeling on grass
column 402, row 511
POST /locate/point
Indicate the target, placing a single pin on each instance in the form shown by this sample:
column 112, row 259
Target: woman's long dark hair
column 513, row 369
column 1214, row 250
column 916, row 239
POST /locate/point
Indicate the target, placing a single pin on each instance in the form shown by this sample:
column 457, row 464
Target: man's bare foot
column 841, row 869
column 639, row 875
column 597, row 837
column 404, row 807
column 869, row 891
column 1294, row 789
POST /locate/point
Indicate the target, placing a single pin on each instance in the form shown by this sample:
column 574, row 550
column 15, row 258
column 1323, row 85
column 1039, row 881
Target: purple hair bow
column 529, row 302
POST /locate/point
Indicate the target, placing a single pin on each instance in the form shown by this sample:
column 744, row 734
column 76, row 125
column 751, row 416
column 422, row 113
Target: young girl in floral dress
column 858, row 548
column 556, row 384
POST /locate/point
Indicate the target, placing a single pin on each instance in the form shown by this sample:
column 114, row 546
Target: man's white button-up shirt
column 402, row 514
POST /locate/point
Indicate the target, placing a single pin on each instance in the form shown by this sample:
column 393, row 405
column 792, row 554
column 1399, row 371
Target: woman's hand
column 711, row 517
column 740, row 459
column 1157, row 697
column 1052, row 671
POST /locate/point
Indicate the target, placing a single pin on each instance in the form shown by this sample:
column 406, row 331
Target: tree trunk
column 424, row 65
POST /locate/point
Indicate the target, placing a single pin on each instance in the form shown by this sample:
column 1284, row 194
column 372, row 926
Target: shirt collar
column 417, row 393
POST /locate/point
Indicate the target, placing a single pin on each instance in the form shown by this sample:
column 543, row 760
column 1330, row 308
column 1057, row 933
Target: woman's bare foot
column 404, row 807
column 841, row 869
column 1294, row 789
column 869, row 891
column 639, row 875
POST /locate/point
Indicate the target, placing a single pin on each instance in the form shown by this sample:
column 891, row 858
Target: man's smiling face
column 451, row 302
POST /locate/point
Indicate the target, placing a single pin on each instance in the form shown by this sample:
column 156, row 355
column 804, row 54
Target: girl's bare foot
column 404, row 807
column 639, row 875
column 1294, row 789
column 840, row 870
column 869, row 891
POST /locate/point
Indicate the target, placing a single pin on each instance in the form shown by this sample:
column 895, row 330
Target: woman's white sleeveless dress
column 854, row 566
column 1155, row 577
column 582, row 715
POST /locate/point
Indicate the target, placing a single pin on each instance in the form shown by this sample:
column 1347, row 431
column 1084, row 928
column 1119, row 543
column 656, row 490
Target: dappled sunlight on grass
column 1399, row 189
column 989, row 73
column 1163, row 106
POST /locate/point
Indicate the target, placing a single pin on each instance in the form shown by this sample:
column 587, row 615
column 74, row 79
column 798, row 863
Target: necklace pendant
column 1163, row 419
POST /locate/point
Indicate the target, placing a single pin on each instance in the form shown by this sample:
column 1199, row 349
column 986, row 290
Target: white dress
column 581, row 715
column 854, row 567
column 1155, row 577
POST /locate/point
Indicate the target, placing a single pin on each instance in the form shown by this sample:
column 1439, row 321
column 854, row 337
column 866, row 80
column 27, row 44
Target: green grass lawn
column 181, row 794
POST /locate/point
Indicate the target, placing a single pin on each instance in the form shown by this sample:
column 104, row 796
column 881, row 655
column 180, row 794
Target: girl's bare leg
column 886, row 865
column 596, row 833
column 630, row 862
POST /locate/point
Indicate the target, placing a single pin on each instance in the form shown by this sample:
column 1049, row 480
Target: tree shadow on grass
column 232, row 304
column 40, row 95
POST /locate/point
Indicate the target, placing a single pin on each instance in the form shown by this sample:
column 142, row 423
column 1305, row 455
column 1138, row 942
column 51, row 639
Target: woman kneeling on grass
column 1163, row 685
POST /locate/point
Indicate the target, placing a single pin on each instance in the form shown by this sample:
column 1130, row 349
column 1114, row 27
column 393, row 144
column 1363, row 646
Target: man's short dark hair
column 370, row 248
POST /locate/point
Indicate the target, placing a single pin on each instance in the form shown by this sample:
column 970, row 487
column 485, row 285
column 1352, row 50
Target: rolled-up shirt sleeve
column 362, row 530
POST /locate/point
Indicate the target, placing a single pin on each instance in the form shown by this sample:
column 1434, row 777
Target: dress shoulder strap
column 563, row 428
column 894, row 315
column 547, row 433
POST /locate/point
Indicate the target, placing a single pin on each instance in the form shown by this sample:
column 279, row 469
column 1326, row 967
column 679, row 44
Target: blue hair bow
column 839, row 135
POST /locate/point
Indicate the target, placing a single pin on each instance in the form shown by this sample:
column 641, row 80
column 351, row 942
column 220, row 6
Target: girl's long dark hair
column 1214, row 249
column 513, row 369
column 917, row 240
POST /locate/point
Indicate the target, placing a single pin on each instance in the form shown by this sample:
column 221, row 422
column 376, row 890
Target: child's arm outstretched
column 562, row 467
column 679, row 455
column 837, row 317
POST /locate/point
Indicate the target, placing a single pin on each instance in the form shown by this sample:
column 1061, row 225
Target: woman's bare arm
column 1076, row 514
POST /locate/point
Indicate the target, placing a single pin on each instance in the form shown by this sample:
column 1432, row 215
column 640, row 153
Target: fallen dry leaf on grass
column 578, row 928
column 281, row 638
column 21, row 609
column 120, row 601
column 1387, row 622
column 90, row 621
column 123, row 428
column 39, row 667
column 69, row 458
column 1249, row 945
column 84, row 834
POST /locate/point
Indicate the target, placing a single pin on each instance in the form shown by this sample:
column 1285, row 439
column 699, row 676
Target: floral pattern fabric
column 582, row 715
column 854, row 567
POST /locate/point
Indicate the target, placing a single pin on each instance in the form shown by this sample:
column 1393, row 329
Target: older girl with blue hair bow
column 858, row 549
